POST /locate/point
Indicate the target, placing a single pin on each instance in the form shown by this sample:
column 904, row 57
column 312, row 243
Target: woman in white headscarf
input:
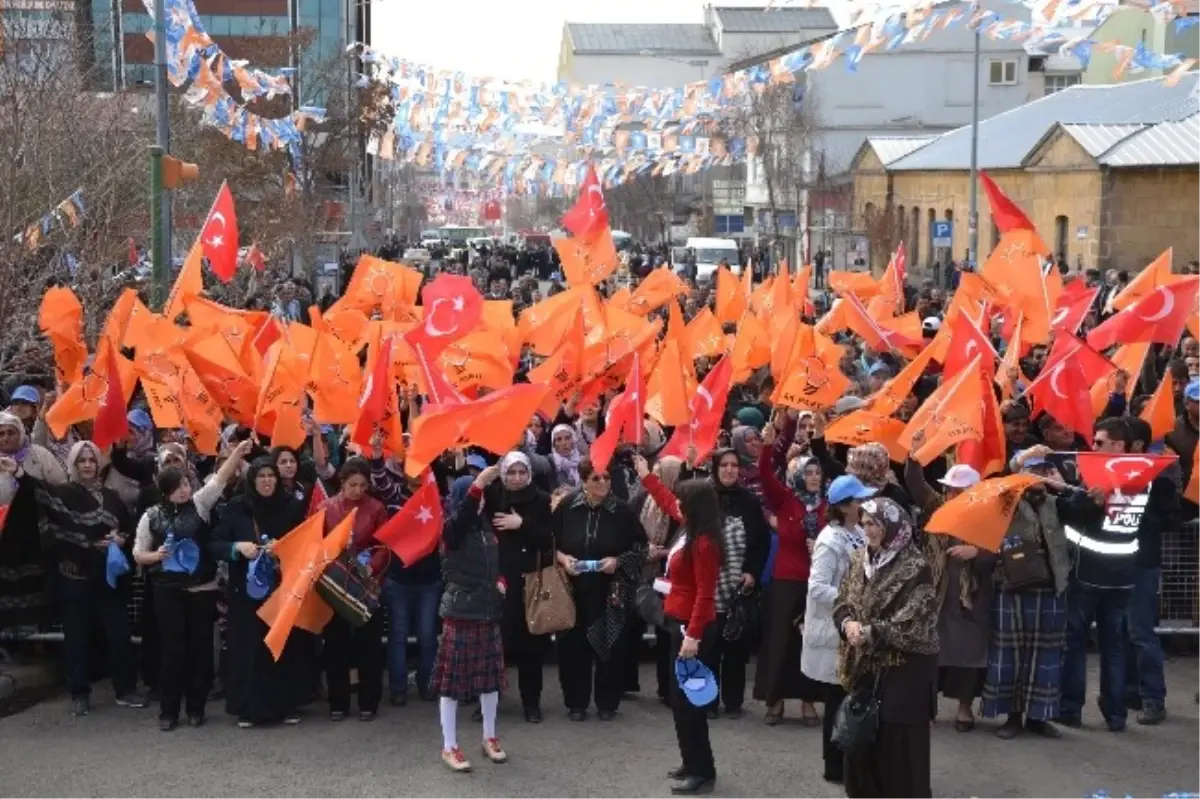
column 565, row 455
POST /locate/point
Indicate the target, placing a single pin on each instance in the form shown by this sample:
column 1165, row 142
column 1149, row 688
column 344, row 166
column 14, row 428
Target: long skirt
column 961, row 683
column 896, row 765
column 1025, row 662
column 470, row 660
column 777, row 676
column 257, row 686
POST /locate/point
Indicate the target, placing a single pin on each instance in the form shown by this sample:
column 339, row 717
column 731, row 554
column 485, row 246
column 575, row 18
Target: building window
column 1056, row 83
column 1002, row 73
column 914, row 244
column 929, row 227
column 1061, row 226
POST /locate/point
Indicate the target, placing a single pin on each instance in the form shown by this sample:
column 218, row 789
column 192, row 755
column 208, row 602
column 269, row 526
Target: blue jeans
column 1144, row 656
column 405, row 602
column 1108, row 607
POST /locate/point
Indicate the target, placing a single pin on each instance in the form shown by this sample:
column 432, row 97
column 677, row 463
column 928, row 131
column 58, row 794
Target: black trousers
column 185, row 630
column 663, row 663
column 82, row 603
column 631, row 678
column 691, row 722
column 727, row 660
column 151, row 648
column 529, row 661
column 578, row 661
column 835, row 759
column 359, row 646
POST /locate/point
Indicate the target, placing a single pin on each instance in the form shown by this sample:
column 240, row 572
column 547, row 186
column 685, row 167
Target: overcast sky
column 517, row 39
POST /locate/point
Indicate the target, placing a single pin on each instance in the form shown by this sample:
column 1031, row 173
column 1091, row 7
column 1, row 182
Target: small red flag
column 625, row 420
column 319, row 495
column 1120, row 473
column 588, row 217
column 111, row 423
column 376, row 394
column 255, row 258
column 134, row 258
column 416, row 529
column 219, row 237
column 268, row 333
column 707, row 408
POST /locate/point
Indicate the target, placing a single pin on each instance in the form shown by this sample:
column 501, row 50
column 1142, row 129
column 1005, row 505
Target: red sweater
column 692, row 571
column 792, row 560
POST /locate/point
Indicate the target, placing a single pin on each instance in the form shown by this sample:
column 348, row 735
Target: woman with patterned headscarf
column 872, row 464
column 886, row 613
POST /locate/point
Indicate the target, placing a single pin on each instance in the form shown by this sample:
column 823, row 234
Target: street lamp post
column 973, row 216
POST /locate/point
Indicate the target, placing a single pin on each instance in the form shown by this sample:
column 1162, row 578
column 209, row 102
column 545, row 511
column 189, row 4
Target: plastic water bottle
column 170, row 542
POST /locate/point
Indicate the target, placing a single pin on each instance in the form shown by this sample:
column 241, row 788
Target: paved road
column 118, row 752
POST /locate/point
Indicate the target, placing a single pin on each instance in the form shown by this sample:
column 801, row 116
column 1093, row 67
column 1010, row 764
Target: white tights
column 448, row 710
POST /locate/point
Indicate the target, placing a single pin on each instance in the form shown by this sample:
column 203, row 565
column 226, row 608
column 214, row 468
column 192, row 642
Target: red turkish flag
column 1005, row 212
column 438, row 387
column 415, row 530
column 453, row 308
column 1063, row 391
column 707, row 407
column 967, row 341
column 111, row 423
column 376, row 396
column 219, row 237
column 319, row 495
column 268, row 333
column 1157, row 318
column 134, row 257
column 588, row 217
column 255, row 258
column 1124, row 473
column 1072, row 308
column 624, row 421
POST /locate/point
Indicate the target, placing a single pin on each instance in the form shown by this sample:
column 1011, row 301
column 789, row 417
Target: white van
column 709, row 254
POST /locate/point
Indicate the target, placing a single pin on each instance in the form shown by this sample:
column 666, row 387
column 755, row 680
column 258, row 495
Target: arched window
column 868, row 214
column 914, row 238
column 929, row 255
column 1061, row 226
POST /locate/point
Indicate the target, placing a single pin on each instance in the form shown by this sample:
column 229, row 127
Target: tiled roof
column 618, row 38
column 1164, row 144
column 1006, row 139
column 893, row 148
column 774, row 20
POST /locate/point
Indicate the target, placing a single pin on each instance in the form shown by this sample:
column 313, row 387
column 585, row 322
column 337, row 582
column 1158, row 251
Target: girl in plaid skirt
column 470, row 657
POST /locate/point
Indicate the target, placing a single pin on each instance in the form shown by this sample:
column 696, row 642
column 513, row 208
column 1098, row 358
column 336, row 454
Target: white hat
column 931, row 324
column 960, row 476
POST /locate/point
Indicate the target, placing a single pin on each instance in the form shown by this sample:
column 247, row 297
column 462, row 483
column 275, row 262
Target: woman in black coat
column 520, row 515
column 747, row 541
column 260, row 689
column 595, row 529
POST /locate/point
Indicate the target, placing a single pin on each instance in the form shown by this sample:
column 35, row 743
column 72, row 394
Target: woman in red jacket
column 689, row 589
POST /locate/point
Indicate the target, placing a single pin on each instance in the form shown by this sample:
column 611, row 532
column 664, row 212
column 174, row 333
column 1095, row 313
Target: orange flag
column 335, row 381
column 587, row 262
column 1159, row 412
column 981, row 515
column 894, row 392
column 564, row 371
column 303, row 555
column 544, row 324
column 866, row 427
column 656, row 290
column 494, row 422
column 731, row 300
column 202, row 416
column 378, row 284
column 61, row 320
column 1157, row 274
column 860, row 284
column 705, row 336
column 834, row 319
column 878, row 338
column 1015, row 266
column 478, row 360
column 953, row 413
column 83, row 399
column 1129, row 359
column 751, row 348
column 1011, row 361
column 189, row 283
column 810, row 381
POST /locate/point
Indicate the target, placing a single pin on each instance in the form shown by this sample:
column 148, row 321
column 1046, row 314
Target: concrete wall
column 1133, row 26
column 655, row 72
column 1148, row 210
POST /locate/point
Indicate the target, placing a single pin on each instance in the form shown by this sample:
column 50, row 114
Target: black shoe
column 834, row 778
column 693, row 785
column 677, row 774
column 713, row 714
column 533, row 715
column 366, row 715
column 152, row 695
column 1009, row 729
column 1074, row 722
column 666, row 700
column 1043, row 728
column 132, row 699
column 577, row 715
column 195, row 721
column 167, row 725
column 398, row 700
column 1151, row 715
column 1133, row 702
column 1115, row 725
column 734, row 712
column 606, row 715
column 80, row 707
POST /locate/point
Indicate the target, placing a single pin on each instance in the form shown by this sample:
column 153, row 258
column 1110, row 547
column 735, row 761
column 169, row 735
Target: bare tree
column 884, row 228
column 642, row 206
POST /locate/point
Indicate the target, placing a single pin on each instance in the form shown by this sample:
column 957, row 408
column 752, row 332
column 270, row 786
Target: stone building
column 1110, row 175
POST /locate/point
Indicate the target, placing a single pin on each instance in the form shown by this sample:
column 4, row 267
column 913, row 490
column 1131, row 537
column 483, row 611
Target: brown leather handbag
column 549, row 605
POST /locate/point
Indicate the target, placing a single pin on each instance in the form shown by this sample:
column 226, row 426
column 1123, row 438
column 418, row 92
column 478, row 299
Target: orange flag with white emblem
column 61, row 320
column 952, row 414
column 731, row 299
column 587, row 261
column 1159, row 412
column 189, row 283
column 982, row 514
column 810, row 381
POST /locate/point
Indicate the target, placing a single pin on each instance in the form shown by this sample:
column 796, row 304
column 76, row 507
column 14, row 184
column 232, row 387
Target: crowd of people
column 807, row 554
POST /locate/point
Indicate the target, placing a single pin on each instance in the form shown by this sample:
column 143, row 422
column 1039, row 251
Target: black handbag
column 743, row 620
column 857, row 722
column 348, row 587
column 1023, row 566
column 649, row 604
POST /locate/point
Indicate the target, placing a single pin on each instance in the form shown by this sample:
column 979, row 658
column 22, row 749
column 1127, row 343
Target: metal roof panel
column 1099, row 139
column 631, row 39
column 773, row 20
column 1164, row 144
column 893, row 148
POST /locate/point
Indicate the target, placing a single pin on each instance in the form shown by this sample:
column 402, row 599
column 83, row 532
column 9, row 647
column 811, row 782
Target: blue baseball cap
column 27, row 394
column 848, row 487
column 139, row 418
column 261, row 576
column 1191, row 392
column 184, row 557
column 696, row 681
column 476, row 462
column 115, row 564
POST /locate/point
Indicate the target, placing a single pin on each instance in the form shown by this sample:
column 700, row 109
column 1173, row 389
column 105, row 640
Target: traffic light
column 176, row 172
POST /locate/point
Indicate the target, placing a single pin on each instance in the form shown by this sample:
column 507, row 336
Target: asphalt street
column 120, row 752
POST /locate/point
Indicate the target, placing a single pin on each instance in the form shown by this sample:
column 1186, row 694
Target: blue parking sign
column 942, row 233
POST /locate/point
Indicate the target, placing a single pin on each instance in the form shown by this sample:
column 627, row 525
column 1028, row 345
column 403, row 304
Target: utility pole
column 973, row 216
column 160, row 205
column 352, row 205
